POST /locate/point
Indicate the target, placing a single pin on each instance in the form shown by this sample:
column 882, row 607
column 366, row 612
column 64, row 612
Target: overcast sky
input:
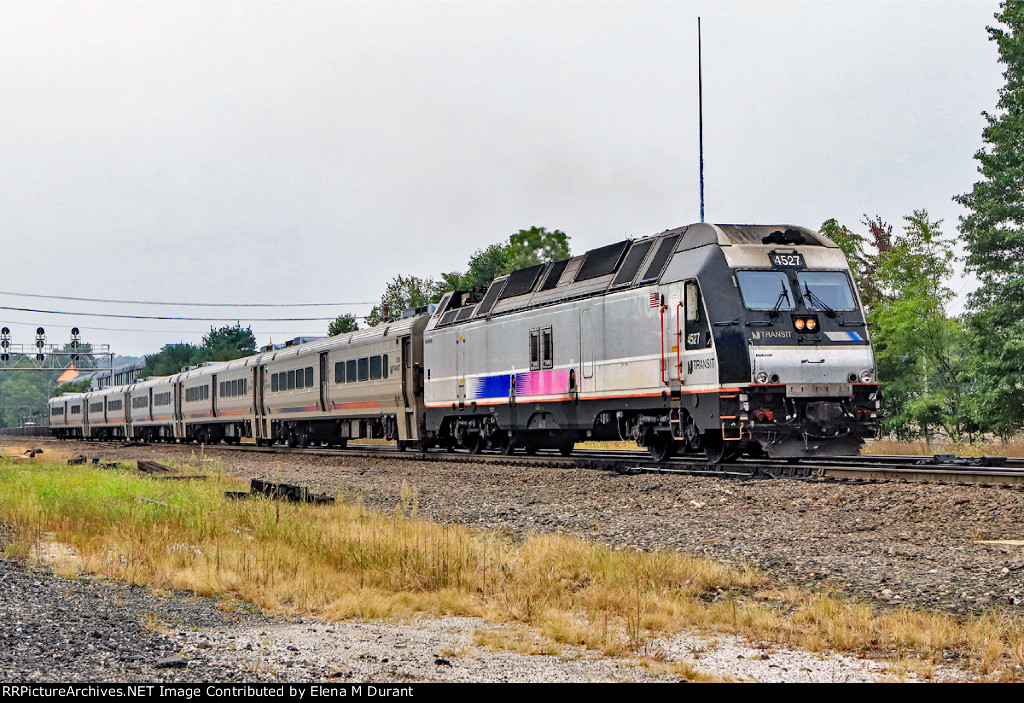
column 297, row 152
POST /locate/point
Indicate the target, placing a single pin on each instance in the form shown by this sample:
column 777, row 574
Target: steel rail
column 939, row 468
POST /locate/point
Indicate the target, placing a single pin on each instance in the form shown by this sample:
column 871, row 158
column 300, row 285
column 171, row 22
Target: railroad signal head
column 5, row 331
column 40, row 331
column 74, row 332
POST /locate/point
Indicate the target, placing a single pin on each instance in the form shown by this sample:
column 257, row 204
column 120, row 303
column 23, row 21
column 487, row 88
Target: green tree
column 528, row 247
column 402, row 293
column 993, row 233
column 169, row 360
column 922, row 354
column 536, row 245
column 226, row 343
column 342, row 324
column 23, row 397
column 71, row 387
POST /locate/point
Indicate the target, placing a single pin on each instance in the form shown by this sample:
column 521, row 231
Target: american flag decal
column 655, row 300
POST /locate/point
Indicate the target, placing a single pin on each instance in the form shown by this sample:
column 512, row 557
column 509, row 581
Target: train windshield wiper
column 784, row 295
column 815, row 300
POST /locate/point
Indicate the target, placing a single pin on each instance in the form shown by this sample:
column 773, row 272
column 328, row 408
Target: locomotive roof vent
column 602, row 261
column 790, row 236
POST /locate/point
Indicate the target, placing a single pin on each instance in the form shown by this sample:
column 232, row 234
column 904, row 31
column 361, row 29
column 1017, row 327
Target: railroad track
column 943, row 468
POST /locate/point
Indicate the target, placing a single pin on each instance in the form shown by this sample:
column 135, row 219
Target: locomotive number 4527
column 794, row 261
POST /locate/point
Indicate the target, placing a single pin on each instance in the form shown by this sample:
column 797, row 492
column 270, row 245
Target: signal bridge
column 52, row 357
column 41, row 356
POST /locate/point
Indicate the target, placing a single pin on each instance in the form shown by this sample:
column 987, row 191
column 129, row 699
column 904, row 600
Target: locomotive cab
column 797, row 372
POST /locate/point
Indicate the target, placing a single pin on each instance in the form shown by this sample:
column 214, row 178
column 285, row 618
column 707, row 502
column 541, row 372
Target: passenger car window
column 350, row 370
column 364, row 369
column 339, row 372
column 309, row 377
column 374, row 368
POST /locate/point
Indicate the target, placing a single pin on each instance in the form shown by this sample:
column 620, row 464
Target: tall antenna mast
column 700, row 108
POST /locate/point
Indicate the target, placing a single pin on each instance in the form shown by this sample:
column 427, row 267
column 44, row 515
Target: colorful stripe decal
column 304, row 409
column 356, row 406
column 527, row 383
column 844, row 337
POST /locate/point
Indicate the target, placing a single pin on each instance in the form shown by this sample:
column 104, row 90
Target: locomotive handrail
column 661, row 328
column 679, row 344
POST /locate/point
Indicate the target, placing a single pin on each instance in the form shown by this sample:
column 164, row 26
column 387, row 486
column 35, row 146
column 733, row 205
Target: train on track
column 721, row 339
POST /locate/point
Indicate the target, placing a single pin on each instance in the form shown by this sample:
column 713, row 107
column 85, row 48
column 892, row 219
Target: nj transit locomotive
column 724, row 339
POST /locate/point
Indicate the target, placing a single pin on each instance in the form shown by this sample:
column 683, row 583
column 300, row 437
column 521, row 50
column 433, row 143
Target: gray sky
column 302, row 152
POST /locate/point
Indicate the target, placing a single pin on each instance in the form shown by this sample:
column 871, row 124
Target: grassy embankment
column 1015, row 448
column 344, row 561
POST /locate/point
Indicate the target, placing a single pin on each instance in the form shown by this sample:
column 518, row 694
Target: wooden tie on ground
column 281, row 491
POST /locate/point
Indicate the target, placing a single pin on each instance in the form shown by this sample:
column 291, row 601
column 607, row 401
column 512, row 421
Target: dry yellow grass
column 344, row 561
column 1014, row 448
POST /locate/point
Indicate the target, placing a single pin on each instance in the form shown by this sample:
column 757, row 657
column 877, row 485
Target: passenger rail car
column 66, row 417
column 720, row 338
column 365, row 384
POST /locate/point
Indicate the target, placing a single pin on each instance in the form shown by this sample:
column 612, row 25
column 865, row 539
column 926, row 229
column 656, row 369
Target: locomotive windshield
column 765, row 290
column 824, row 290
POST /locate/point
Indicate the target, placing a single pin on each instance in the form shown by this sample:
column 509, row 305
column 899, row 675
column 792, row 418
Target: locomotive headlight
column 761, row 376
column 799, row 323
column 865, row 376
column 811, row 323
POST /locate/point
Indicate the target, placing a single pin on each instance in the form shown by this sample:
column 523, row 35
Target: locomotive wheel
column 292, row 440
column 661, row 447
column 477, row 444
column 718, row 450
column 532, row 449
column 566, row 448
column 302, row 440
column 507, row 447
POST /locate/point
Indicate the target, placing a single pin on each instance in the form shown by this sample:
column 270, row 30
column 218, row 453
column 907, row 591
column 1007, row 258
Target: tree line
column 960, row 377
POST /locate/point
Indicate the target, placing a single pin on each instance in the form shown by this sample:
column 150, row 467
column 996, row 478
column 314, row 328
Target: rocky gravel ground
column 926, row 544
column 59, row 630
